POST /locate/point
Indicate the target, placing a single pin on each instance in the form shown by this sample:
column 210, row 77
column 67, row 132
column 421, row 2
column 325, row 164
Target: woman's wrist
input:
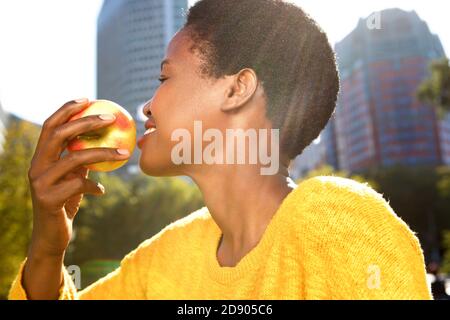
column 39, row 256
column 41, row 250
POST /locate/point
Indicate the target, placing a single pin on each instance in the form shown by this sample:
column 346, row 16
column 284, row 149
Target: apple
column 121, row 134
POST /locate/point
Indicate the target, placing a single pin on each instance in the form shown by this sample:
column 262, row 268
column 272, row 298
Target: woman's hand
column 57, row 187
column 58, row 183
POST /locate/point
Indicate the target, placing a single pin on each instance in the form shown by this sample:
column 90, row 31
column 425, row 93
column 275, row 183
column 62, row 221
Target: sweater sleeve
column 364, row 250
column 126, row 282
column 67, row 290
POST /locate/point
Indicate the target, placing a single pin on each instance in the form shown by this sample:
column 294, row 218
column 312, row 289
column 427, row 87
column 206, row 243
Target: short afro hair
column 288, row 51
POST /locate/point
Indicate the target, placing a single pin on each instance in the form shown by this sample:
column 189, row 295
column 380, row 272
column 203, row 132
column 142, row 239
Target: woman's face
column 182, row 98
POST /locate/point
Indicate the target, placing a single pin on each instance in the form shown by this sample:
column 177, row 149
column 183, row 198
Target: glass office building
column 131, row 42
column 379, row 121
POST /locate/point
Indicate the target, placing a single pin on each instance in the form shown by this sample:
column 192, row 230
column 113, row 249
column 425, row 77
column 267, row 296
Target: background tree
column 435, row 90
column 446, row 261
column 444, row 217
column 15, row 199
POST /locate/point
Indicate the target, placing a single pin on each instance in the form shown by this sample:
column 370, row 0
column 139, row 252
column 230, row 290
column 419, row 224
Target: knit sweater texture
column 331, row 238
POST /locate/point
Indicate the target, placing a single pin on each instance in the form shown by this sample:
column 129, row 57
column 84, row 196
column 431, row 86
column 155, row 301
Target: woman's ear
column 241, row 89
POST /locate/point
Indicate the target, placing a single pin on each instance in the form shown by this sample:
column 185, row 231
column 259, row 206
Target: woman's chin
column 157, row 167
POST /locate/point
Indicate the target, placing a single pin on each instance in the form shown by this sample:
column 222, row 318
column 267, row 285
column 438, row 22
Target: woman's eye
column 162, row 79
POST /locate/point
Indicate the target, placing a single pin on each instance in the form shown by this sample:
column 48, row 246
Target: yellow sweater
column 331, row 238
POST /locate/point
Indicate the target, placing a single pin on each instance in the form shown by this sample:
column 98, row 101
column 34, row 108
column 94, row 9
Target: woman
column 258, row 65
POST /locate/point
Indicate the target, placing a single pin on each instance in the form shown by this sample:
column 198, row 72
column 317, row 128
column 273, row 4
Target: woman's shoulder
column 178, row 233
column 348, row 229
column 345, row 212
column 339, row 186
column 337, row 194
column 344, row 205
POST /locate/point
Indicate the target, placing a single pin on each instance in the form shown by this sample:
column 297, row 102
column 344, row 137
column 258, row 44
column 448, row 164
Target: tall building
column 328, row 139
column 131, row 42
column 3, row 124
column 378, row 120
column 444, row 131
column 322, row 151
column 313, row 157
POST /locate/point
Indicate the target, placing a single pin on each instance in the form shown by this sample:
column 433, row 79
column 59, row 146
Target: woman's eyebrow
column 165, row 61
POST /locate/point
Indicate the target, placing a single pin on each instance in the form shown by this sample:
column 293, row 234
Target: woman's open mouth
column 149, row 131
column 150, row 125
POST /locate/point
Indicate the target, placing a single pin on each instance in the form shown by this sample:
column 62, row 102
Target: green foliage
column 435, row 90
column 15, row 199
column 446, row 262
column 93, row 270
column 443, row 206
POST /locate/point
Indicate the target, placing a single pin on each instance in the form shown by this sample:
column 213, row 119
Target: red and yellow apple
column 121, row 134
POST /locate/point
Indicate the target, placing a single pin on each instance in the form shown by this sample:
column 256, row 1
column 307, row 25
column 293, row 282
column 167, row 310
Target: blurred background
column 391, row 127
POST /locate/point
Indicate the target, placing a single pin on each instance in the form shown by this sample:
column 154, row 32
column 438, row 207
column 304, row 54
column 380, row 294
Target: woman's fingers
column 39, row 162
column 84, row 172
column 68, row 131
column 61, row 116
column 69, row 188
column 76, row 159
column 79, row 172
column 73, row 203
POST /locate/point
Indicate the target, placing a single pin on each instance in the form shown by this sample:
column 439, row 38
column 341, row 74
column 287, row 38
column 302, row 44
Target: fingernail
column 81, row 100
column 102, row 188
column 107, row 117
column 123, row 152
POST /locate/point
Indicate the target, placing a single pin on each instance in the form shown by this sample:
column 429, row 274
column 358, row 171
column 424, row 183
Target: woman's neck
column 242, row 202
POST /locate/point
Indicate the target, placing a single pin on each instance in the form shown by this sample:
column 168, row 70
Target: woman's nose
column 147, row 108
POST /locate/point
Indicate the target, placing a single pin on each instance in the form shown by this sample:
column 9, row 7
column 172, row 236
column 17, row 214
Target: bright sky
column 48, row 47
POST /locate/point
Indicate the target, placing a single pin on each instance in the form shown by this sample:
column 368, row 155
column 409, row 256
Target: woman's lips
column 150, row 123
column 150, row 129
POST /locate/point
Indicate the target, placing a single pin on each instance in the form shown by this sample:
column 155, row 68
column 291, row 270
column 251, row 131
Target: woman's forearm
column 43, row 276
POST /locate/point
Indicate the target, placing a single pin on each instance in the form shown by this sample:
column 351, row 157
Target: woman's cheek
column 169, row 131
